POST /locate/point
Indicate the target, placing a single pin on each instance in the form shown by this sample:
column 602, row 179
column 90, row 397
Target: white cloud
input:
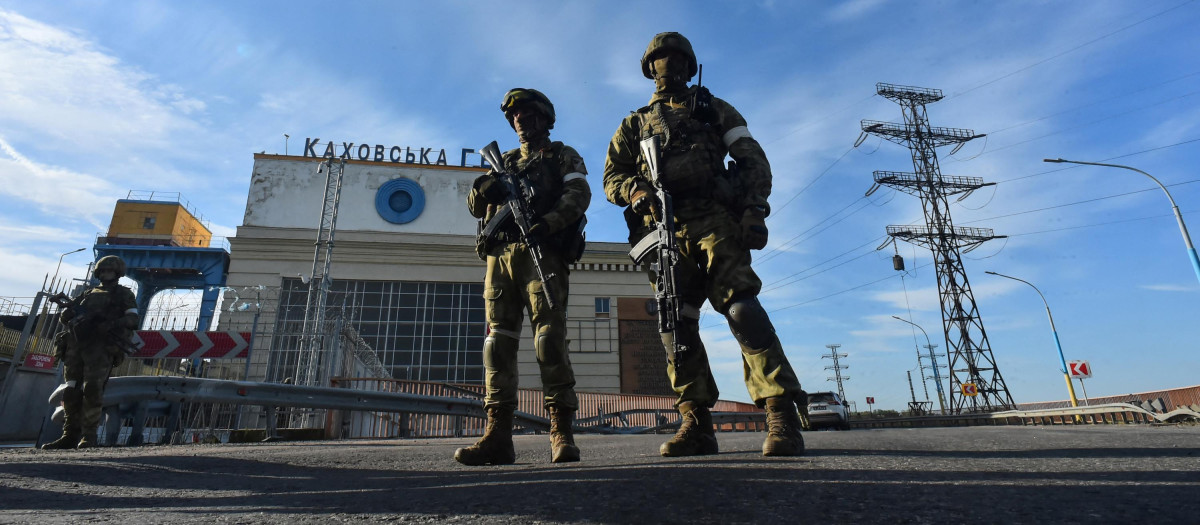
column 1168, row 288
column 853, row 9
column 54, row 190
column 14, row 233
column 58, row 86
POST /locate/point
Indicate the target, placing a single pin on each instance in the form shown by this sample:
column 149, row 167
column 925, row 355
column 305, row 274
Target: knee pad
column 551, row 349
column 749, row 323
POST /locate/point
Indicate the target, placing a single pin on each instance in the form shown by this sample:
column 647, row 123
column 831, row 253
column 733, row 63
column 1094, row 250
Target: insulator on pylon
column 898, row 263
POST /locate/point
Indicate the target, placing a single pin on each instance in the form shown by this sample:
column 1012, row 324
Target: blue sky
column 97, row 98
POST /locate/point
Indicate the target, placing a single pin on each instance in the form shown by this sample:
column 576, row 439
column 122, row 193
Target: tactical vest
column 693, row 153
column 542, row 174
column 98, row 305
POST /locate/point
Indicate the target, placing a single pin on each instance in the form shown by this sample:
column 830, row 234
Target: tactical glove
column 538, row 229
column 643, row 200
column 754, row 228
column 493, row 190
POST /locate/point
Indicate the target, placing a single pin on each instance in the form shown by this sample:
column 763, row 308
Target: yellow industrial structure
column 156, row 219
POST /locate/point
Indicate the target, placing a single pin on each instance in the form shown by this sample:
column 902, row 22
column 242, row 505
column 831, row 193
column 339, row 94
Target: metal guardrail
column 139, row 395
column 1110, row 413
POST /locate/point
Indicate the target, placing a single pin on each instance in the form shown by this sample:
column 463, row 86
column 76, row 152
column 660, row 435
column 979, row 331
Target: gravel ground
column 1094, row 474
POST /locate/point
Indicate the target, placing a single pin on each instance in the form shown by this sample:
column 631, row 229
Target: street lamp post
column 1187, row 240
column 1063, row 360
column 937, row 376
column 60, row 259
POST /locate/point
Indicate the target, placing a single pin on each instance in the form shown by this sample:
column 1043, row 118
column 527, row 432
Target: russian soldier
column 88, row 350
column 561, row 195
column 719, row 215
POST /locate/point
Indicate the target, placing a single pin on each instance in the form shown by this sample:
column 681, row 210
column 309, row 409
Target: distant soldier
column 719, row 217
column 89, row 347
column 560, row 194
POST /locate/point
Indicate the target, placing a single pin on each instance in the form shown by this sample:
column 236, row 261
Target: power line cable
column 1072, row 50
column 1122, row 95
column 1189, row 141
column 1115, row 115
column 1079, row 202
column 775, row 212
column 1093, row 225
column 818, row 265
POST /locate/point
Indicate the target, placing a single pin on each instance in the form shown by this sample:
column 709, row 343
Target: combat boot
column 562, row 439
column 70, row 438
column 496, row 445
column 783, row 428
column 88, row 439
column 695, row 436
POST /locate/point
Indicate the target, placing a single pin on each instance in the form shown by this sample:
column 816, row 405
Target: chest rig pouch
column 541, row 186
column 693, row 154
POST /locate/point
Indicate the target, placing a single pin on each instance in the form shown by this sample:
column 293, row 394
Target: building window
column 148, row 222
column 420, row 331
column 603, row 307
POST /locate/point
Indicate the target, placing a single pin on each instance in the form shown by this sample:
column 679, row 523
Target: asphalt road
column 1101, row 474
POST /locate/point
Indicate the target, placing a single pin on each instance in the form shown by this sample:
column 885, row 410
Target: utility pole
column 837, row 368
column 971, row 360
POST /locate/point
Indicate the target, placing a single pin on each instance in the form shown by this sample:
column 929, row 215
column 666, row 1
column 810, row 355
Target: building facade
column 407, row 281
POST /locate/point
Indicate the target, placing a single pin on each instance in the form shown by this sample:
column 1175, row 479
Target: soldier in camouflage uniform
column 87, row 349
column 719, row 215
column 511, row 286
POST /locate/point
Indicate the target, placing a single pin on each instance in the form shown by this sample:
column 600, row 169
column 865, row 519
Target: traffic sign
column 870, row 401
column 161, row 344
column 1079, row 369
column 970, row 390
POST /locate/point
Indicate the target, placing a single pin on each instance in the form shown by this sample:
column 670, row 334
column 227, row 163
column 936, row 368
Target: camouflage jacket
column 694, row 150
column 101, row 309
column 558, row 176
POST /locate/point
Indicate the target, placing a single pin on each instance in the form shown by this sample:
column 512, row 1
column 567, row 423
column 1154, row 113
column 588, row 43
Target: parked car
column 827, row 410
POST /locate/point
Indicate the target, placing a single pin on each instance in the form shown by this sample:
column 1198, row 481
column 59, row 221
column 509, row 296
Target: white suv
column 827, row 409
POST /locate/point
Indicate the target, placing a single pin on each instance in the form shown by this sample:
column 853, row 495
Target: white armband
column 734, row 134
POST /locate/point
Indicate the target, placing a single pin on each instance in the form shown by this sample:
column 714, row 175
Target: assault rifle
column 661, row 243
column 89, row 321
column 519, row 206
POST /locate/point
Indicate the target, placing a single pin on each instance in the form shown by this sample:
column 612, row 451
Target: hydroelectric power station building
column 406, row 278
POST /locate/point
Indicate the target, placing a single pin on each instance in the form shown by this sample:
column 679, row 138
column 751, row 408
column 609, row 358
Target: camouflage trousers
column 716, row 267
column 86, row 368
column 510, row 288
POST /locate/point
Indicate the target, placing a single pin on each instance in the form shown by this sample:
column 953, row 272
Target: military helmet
column 110, row 262
column 521, row 96
column 665, row 41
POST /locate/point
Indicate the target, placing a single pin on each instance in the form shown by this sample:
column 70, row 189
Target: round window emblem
column 399, row 201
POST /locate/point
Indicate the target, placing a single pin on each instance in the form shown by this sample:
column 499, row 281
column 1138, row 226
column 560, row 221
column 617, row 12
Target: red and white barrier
column 161, row 344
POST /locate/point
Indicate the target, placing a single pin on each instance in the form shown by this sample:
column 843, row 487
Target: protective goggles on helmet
column 516, row 97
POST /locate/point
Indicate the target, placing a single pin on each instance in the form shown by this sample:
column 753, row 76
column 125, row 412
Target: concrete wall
column 24, row 408
column 287, row 192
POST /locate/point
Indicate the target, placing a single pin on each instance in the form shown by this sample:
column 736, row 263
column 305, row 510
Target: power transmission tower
column 837, row 368
column 971, row 360
column 933, row 365
column 312, row 357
